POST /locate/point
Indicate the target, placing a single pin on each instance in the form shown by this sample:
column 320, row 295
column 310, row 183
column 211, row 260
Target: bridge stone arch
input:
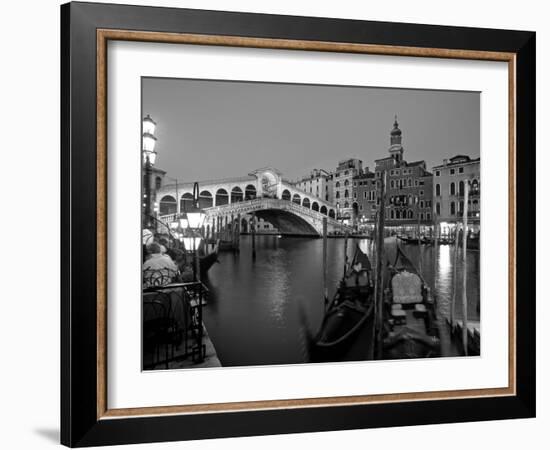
column 306, row 203
column 205, row 199
column 287, row 217
column 167, row 205
column 315, row 206
column 250, row 192
column 222, row 196
column 286, row 195
column 237, row 194
column 297, row 199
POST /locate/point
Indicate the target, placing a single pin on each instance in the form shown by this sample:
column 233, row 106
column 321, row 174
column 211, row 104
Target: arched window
column 306, row 203
column 410, row 214
column 323, row 210
column 346, row 183
column 398, row 214
column 337, row 194
column 296, row 199
column 452, row 188
column 186, row 202
column 461, row 188
column 410, row 182
column 315, row 206
column 475, row 205
column 346, row 193
column 222, row 198
column 438, row 209
column 286, row 195
column 249, row 192
column 421, row 216
column 167, row 205
column 461, row 209
column 346, row 205
column 158, row 182
column 331, row 213
column 205, row 199
column 236, row 195
column 392, row 214
column 337, row 185
column 453, row 208
column 438, row 189
column 391, row 184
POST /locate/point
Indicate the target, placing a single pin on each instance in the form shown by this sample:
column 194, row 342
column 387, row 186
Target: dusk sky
column 219, row 129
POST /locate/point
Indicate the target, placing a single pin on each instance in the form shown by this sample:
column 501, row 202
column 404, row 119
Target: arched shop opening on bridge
column 237, row 195
column 222, row 198
column 167, row 205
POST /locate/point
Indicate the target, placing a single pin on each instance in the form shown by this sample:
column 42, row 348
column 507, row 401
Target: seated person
column 158, row 269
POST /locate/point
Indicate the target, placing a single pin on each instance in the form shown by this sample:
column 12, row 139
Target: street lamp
column 149, row 157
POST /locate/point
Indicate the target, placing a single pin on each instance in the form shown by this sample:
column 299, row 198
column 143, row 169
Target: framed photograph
column 278, row 224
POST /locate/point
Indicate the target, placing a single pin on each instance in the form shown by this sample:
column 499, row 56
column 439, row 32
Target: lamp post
column 188, row 228
column 148, row 142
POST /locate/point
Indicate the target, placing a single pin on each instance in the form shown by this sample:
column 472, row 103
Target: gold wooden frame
column 103, row 36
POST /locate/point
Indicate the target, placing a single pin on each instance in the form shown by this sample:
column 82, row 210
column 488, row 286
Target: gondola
column 410, row 321
column 346, row 332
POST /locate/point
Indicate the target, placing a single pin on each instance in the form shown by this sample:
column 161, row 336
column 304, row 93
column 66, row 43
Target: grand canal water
column 258, row 311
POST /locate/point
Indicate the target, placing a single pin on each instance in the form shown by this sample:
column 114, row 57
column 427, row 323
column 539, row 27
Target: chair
column 159, row 327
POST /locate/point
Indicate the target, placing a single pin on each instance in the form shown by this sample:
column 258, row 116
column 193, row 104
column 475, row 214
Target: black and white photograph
column 296, row 224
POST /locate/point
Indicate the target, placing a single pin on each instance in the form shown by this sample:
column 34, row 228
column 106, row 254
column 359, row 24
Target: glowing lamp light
column 184, row 223
column 191, row 242
column 149, row 125
column 195, row 219
column 149, row 142
column 174, row 225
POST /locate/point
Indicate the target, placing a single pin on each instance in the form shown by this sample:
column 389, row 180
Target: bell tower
column 396, row 149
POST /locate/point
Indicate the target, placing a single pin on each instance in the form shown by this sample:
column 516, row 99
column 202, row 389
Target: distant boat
column 346, row 332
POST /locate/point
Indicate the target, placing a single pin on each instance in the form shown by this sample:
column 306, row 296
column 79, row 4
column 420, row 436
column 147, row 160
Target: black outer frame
column 79, row 424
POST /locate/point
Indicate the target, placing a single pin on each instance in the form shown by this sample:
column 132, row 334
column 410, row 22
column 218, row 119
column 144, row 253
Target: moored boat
column 409, row 312
column 346, row 332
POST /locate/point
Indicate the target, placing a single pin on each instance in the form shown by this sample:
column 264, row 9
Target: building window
column 461, row 209
column 452, row 171
column 452, row 189
column 158, row 182
column 461, row 188
column 410, row 182
column 453, row 209
column 346, row 183
column 438, row 189
column 392, row 216
column 337, row 194
column 428, row 216
column 421, row 193
column 346, row 193
column 421, row 216
column 391, row 184
column 337, row 184
column 437, row 173
column 422, row 203
column 461, row 170
column 438, row 209
column 416, row 182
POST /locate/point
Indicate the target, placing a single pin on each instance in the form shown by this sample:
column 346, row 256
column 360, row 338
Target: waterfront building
column 409, row 190
column 365, row 195
column 342, row 187
column 448, row 194
column 318, row 183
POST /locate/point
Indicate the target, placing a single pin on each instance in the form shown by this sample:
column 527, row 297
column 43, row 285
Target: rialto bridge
column 263, row 192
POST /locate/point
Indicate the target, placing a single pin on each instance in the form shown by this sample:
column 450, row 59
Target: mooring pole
column 378, row 287
column 345, row 252
column 238, row 237
column 253, row 235
column 455, row 263
column 325, row 288
column 465, row 270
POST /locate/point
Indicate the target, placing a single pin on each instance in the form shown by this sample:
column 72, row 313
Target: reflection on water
column 258, row 310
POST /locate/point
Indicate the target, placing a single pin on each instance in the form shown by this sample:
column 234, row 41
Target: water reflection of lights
column 444, row 261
